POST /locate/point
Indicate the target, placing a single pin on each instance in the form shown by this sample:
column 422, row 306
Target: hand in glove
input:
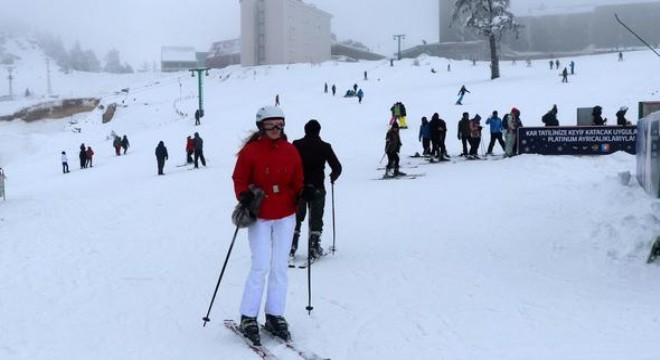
column 333, row 178
column 246, row 198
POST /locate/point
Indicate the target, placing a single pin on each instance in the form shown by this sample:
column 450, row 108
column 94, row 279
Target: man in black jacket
column 314, row 153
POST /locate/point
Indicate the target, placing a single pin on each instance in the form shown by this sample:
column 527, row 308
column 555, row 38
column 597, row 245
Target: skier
column 464, row 132
column 125, row 144
column 197, row 116
column 495, row 124
column 334, row 89
column 620, row 56
column 461, row 93
column 82, row 155
column 425, row 136
column 360, row 95
column 277, row 100
column 564, row 75
column 512, row 123
column 116, row 143
column 392, row 147
column 552, row 64
column 395, row 110
column 161, row 157
column 438, row 135
column 557, row 64
column 315, row 153
column 598, row 119
column 475, row 136
column 198, row 145
column 572, row 65
column 65, row 163
column 190, row 148
column 89, row 155
column 268, row 161
column 550, row 118
column 621, row 117
column 325, row 88
column 365, row 76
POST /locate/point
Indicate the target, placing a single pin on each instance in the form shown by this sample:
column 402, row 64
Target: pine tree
column 489, row 18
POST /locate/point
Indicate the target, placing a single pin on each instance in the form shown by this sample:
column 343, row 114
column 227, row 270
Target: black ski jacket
column 314, row 153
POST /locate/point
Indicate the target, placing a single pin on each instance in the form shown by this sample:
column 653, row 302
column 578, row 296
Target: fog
column 138, row 29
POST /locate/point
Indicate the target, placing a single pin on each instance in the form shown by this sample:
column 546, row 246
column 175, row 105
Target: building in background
column 550, row 32
column 283, row 32
column 224, row 53
column 177, row 58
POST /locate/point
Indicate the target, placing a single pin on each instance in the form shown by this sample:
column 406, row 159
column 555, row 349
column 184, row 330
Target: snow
column 534, row 257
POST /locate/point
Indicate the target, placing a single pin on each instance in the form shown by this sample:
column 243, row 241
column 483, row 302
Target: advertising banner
column 577, row 140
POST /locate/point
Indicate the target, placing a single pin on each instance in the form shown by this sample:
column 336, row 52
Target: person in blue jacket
column 425, row 136
column 360, row 95
column 495, row 124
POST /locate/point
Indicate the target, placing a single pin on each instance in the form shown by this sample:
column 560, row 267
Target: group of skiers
column 432, row 135
column 291, row 175
column 86, row 154
column 119, row 144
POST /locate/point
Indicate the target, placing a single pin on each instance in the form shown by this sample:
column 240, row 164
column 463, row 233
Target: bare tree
column 489, row 18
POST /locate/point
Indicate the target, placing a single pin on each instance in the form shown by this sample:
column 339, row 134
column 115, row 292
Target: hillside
column 525, row 258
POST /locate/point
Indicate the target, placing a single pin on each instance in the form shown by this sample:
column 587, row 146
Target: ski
column 302, row 352
column 401, row 167
column 260, row 350
column 306, row 263
column 400, row 177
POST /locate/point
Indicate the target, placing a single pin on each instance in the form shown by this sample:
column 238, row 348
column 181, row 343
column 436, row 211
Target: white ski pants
column 270, row 243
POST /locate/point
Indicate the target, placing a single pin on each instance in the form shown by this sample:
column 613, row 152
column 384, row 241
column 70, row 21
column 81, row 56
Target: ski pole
column 309, row 306
column 224, row 266
column 382, row 157
column 334, row 231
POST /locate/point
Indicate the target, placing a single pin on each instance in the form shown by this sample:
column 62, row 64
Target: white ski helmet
column 268, row 112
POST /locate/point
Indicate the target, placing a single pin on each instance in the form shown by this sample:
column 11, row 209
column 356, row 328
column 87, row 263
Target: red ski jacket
column 275, row 167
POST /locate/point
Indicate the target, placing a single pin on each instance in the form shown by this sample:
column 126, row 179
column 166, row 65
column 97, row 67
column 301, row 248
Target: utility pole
column 398, row 38
column 199, row 84
column 11, row 78
column 48, row 76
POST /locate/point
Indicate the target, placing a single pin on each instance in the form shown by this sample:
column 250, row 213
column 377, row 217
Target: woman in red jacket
column 269, row 162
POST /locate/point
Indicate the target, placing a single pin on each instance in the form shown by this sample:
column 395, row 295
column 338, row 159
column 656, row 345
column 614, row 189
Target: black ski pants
column 316, row 207
column 493, row 137
column 199, row 155
column 393, row 160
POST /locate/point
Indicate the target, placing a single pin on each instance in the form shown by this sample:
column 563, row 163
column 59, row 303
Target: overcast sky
column 138, row 28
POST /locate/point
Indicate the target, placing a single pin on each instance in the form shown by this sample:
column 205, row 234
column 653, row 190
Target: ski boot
column 316, row 251
column 250, row 329
column 399, row 173
column 278, row 326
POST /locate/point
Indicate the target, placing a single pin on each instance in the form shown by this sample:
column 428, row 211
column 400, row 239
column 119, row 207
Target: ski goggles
column 273, row 126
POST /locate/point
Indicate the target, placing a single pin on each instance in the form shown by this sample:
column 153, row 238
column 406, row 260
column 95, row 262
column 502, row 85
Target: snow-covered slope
column 526, row 258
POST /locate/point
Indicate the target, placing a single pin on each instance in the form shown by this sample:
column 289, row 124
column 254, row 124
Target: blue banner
column 577, row 140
